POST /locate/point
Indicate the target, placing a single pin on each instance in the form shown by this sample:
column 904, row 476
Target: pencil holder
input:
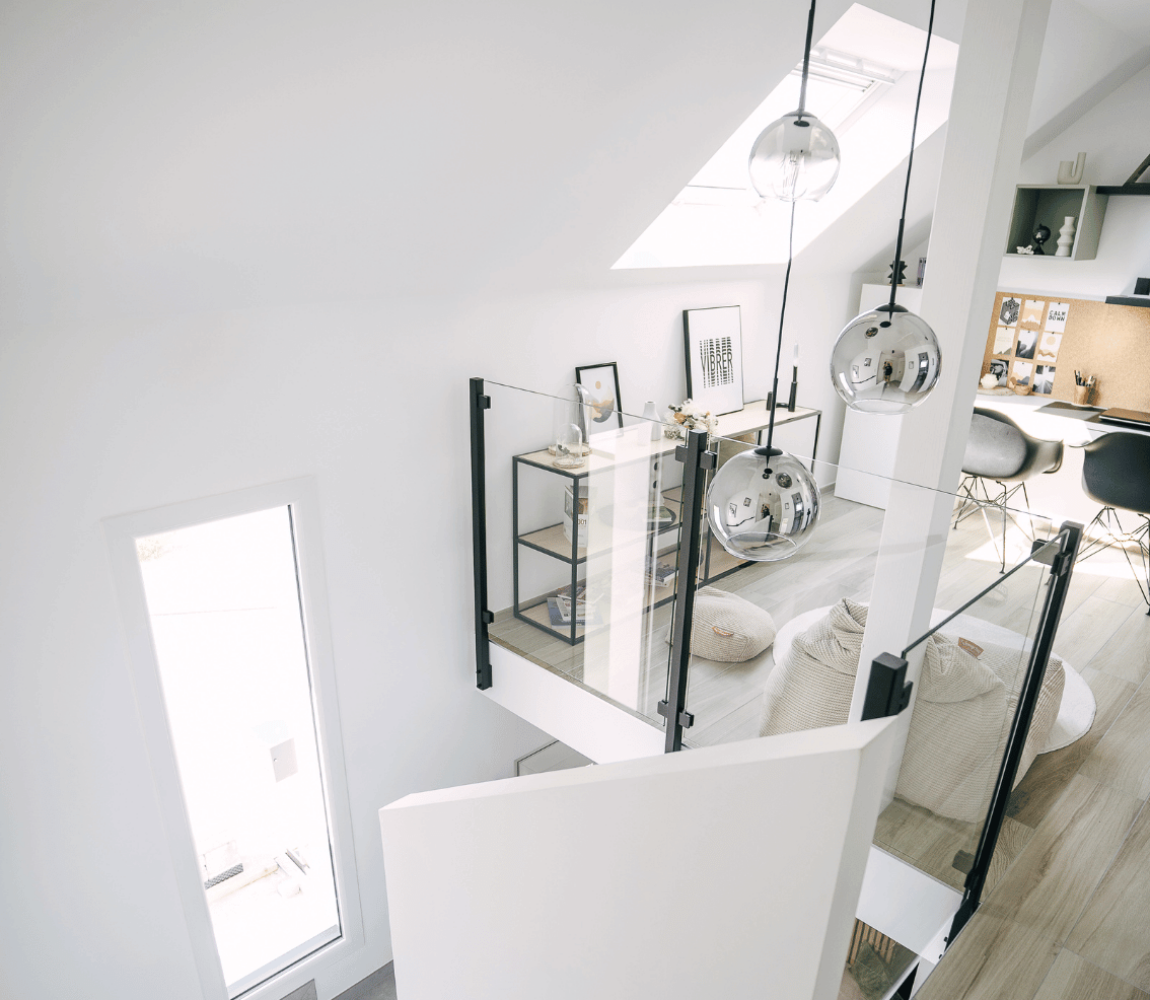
column 1083, row 395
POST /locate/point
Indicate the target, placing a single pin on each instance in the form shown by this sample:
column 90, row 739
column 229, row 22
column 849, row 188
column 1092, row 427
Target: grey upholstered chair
column 1116, row 474
column 999, row 451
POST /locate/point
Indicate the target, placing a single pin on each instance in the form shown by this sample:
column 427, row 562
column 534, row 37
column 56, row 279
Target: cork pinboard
column 1045, row 339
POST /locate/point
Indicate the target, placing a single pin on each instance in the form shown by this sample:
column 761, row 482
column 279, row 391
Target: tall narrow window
column 227, row 622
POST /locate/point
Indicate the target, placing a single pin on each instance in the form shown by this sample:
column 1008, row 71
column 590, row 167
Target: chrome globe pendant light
column 888, row 360
column 796, row 156
column 763, row 503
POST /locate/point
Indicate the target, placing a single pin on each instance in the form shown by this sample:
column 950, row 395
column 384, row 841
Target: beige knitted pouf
column 729, row 628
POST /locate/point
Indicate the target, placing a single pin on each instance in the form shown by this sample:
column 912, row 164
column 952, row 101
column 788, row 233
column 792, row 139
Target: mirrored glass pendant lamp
column 763, row 504
column 888, row 360
column 796, row 156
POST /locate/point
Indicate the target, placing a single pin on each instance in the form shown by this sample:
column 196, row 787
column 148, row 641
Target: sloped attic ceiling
column 162, row 157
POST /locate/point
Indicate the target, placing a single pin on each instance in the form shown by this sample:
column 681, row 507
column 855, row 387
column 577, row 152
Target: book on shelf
column 660, row 573
column 559, row 611
column 577, row 510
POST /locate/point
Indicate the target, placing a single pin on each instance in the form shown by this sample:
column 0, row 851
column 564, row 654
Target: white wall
column 556, row 885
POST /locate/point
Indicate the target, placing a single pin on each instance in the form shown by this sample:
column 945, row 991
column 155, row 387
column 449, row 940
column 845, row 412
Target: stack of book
column 559, row 607
column 659, row 573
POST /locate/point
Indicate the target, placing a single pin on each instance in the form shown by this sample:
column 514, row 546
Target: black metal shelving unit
column 546, row 541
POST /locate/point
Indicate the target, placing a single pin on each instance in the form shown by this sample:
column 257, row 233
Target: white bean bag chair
column 961, row 716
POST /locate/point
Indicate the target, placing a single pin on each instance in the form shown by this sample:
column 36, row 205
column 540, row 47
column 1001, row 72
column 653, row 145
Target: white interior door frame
column 301, row 495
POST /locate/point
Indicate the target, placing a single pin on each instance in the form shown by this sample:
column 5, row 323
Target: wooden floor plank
column 1126, row 654
column 1082, row 634
column 1122, row 757
column 992, row 959
column 1073, row 978
column 1114, row 931
column 1047, row 887
column 1050, row 773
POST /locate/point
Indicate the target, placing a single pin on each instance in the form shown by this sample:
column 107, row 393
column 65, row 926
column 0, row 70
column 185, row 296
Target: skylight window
column 861, row 87
column 837, row 89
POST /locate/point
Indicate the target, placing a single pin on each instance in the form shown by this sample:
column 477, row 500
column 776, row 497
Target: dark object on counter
column 1041, row 235
column 794, row 389
column 1126, row 418
column 1141, row 296
column 901, row 280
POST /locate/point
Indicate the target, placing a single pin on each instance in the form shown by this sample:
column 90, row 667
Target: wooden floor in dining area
column 1069, row 915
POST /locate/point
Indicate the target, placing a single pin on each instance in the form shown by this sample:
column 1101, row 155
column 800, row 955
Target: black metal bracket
column 887, row 692
column 478, row 404
column 686, row 719
column 706, row 458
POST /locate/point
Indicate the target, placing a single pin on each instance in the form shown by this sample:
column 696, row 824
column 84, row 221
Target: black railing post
column 1061, row 570
column 483, row 617
column 696, row 461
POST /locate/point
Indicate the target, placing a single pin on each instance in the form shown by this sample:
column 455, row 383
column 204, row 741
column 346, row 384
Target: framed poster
column 601, row 383
column 713, row 341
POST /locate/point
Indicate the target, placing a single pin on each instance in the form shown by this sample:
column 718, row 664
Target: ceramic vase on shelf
column 1065, row 237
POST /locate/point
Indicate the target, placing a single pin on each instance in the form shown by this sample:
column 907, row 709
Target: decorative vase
column 1065, row 237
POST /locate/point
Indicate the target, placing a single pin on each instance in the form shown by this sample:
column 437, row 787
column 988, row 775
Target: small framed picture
column 713, row 341
column 601, row 383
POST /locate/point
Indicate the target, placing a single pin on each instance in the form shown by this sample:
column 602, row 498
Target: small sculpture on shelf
column 1072, row 172
column 1065, row 237
column 687, row 416
column 1041, row 235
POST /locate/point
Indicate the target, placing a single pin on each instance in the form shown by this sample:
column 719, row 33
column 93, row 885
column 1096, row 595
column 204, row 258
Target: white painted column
column 994, row 85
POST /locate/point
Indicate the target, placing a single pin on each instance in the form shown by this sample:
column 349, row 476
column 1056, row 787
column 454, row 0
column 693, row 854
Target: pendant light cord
column 910, row 163
column 782, row 316
column 806, row 60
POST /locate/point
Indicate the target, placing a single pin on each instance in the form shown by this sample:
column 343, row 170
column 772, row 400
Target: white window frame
column 121, row 533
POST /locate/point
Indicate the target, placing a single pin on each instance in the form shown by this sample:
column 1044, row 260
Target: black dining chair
column 1116, row 474
column 999, row 451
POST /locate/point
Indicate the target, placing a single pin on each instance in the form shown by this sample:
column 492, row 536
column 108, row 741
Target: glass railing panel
column 582, row 541
column 735, row 692
column 972, row 671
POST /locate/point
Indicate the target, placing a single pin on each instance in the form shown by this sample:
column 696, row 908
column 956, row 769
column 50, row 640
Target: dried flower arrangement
column 688, row 417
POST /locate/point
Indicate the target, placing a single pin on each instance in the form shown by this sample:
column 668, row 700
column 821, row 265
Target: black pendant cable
column 774, row 397
column 806, row 64
column 894, row 270
column 767, row 449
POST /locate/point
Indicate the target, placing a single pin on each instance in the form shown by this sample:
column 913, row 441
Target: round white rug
column 1075, row 713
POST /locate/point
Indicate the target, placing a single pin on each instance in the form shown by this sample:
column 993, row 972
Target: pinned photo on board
column 1056, row 316
column 1032, row 311
column 1000, row 369
column 1044, row 379
column 1027, row 340
column 1008, row 314
column 1048, row 345
column 1022, row 370
column 1003, row 340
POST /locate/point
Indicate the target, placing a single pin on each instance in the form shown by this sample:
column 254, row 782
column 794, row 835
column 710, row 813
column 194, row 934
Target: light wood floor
column 1067, row 911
